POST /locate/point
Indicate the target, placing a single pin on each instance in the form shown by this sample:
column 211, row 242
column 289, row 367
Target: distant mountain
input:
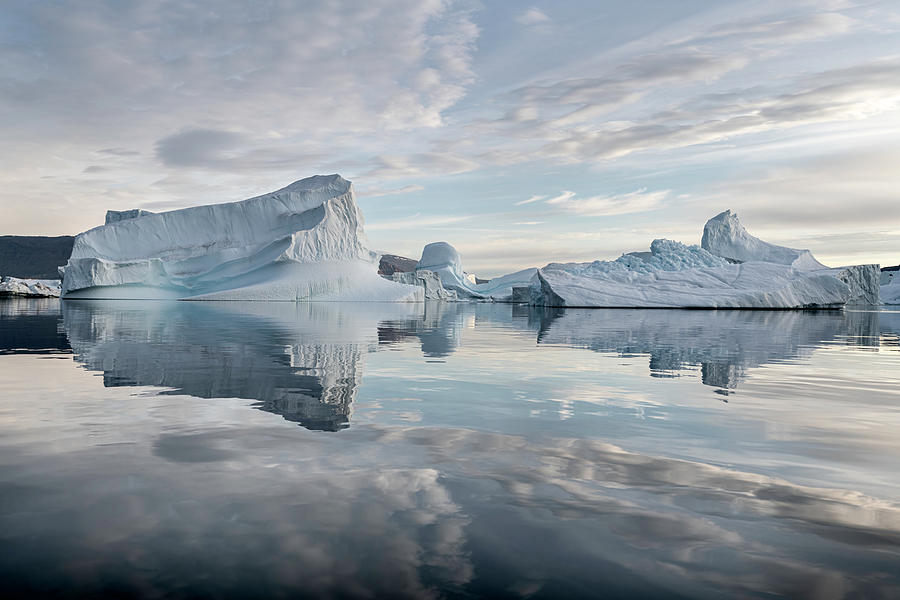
column 894, row 268
column 391, row 263
column 34, row 257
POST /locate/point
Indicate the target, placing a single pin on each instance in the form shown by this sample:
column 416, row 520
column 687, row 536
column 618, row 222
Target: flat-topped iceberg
column 732, row 269
column 303, row 242
column 443, row 259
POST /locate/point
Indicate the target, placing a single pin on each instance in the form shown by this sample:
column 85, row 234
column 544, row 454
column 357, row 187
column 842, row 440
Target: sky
column 522, row 133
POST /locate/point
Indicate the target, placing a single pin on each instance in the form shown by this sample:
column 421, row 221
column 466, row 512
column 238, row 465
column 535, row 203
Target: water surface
column 156, row 449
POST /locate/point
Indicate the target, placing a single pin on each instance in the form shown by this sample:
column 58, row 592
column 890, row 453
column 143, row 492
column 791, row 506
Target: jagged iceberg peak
column 302, row 242
column 725, row 236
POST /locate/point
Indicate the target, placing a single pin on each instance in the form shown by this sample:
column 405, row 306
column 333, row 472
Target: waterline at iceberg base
column 306, row 242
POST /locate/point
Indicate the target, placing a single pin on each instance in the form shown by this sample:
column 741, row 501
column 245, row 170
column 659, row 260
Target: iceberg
column 730, row 269
column 890, row 293
column 36, row 288
column 443, row 259
column 301, row 243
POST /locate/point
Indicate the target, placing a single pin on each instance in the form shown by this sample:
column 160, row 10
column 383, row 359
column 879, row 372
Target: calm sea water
column 452, row 450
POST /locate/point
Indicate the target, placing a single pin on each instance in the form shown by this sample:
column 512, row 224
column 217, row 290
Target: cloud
column 119, row 152
column 331, row 78
column 830, row 96
column 789, row 29
column 845, row 204
column 530, row 200
column 376, row 192
column 569, row 120
column 418, row 221
column 392, row 166
column 198, row 147
column 604, row 206
column 532, row 16
column 562, row 197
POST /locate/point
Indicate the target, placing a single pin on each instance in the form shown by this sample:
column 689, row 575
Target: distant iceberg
column 303, row 242
column 35, row 288
column 731, row 269
column 443, row 259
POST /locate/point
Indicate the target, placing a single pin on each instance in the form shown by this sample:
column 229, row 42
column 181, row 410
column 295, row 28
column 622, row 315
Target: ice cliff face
column 303, row 242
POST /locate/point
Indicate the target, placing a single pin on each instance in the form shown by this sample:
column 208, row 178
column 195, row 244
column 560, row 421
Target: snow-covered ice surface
column 303, row 242
column 41, row 288
column 443, row 259
column 732, row 269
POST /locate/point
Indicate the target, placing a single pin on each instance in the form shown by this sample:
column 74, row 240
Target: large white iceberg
column 303, row 242
column 443, row 259
column 732, row 269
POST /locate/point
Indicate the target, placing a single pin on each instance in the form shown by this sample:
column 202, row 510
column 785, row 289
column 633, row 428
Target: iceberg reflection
column 301, row 361
column 31, row 326
column 723, row 344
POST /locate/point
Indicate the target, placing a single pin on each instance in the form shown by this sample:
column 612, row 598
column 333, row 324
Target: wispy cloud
column 530, row 200
column 418, row 221
column 562, row 197
column 532, row 16
column 605, row 206
column 375, row 192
